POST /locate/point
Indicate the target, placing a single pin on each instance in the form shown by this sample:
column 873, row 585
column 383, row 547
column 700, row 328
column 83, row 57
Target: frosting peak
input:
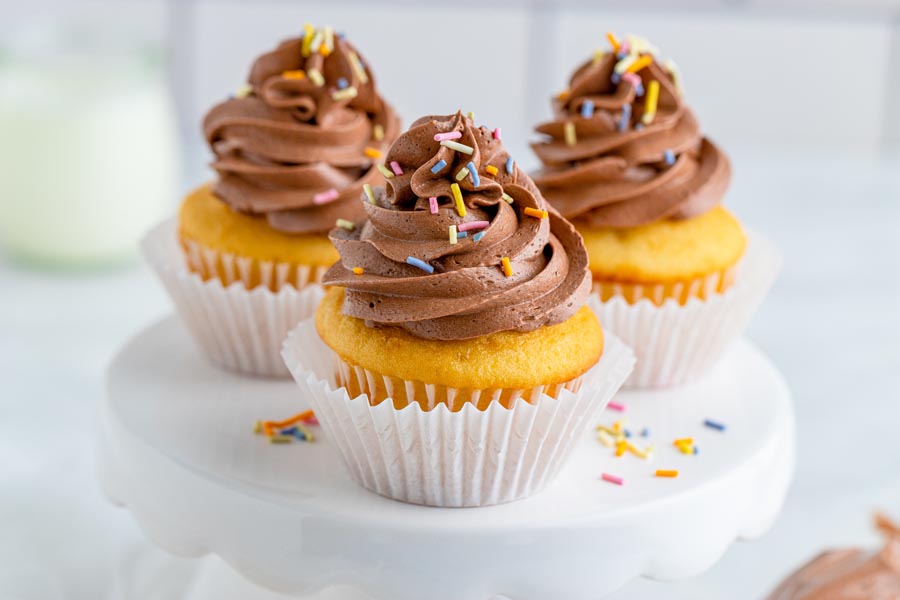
column 623, row 149
column 459, row 243
column 301, row 139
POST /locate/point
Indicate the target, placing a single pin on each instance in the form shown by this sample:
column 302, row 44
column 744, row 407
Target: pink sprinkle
column 625, row 48
column 452, row 135
column 326, row 197
column 395, row 167
column 612, row 479
column 634, row 78
column 616, row 406
column 432, row 202
column 472, row 225
column 497, row 134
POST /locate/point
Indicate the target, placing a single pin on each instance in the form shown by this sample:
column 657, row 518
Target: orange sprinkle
column 323, row 50
column 492, row 169
column 507, row 267
column 639, row 64
column 295, row 74
column 304, row 416
column 562, row 95
column 666, row 473
column 372, row 152
column 683, row 441
column 358, row 271
column 621, row 447
column 538, row 214
column 613, row 41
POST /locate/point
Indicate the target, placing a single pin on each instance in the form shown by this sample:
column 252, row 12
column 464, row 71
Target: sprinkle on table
column 473, row 172
column 536, row 213
column 345, row 224
column 344, row 94
column 644, row 454
column 358, row 270
column 621, row 447
column 372, row 152
column 453, row 237
column 418, row 262
column 439, row 165
column 492, row 170
column 458, row 199
column 612, row 479
column 244, row 91
column 294, row 74
column 378, row 133
column 507, row 197
column 316, row 77
column 369, row 193
column 282, row 432
column 587, row 109
column 457, row 146
column 507, row 267
column 496, row 133
column 462, row 173
column 651, row 102
column 477, row 237
column 606, row 439
column 433, row 205
column 714, row 425
column 616, row 407
column 449, row 135
column 326, row 197
column 509, row 164
column 385, row 171
column 473, row 225
column 358, row 68
column 395, row 167
column 667, row 473
column 569, row 133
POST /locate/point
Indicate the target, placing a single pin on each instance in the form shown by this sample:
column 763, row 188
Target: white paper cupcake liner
column 676, row 343
column 238, row 329
column 452, row 459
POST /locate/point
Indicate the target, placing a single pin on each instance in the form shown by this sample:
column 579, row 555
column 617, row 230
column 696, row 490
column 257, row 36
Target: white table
column 831, row 323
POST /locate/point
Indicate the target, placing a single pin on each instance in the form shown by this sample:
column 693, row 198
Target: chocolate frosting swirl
column 294, row 147
column 468, row 294
column 619, row 171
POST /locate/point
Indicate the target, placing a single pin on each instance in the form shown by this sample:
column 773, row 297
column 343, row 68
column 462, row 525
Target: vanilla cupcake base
column 466, row 458
column 238, row 329
column 678, row 341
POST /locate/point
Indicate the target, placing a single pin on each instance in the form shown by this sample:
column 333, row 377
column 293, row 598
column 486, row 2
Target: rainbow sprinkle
column 326, row 197
column 639, row 64
column 675, row 72
column 509, row 165
column 587, row 109
column 417, row 262
column 650, row 102
column 282, row 432
column 328, row 43
column 385, row 171
column 244, row 91
column 464, row 234
column 433, row 205
column 496, row 134
column 316, row 41
column 342, row 83
column 462, row 173
column 395, row 167
column 477, row 237
column 612, row 479
column 471, row 115
column 507, row 197
column 308, row 32
column 626, row 117
column 457, row 146
column 598, row 56
column 316, row 77
column 294, row 74
column 439, row 165
column 473, row 225
column 453, row 237
column 616, row 407
column 536, row 213
column 358, row 270
column 358, row 68
column 622, row 66
column 450, row 135
column 458, row 199
column 369, row 193
column 666, row 473
column 378, row 133
column 613, row 41
column 569, row 133
column 372, row 152
column 476, row 180
column 345, row 224
column 714, row 425
column 507, row 267
column 492, row 170
column 669, row 157
column 344, row 94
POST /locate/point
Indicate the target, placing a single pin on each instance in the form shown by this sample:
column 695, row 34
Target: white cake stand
column 178, row 450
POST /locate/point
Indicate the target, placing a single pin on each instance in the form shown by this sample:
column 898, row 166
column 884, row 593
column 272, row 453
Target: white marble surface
column 832, row 324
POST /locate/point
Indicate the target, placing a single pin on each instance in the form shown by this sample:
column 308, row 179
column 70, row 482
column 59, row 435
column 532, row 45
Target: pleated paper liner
column 681, row 338
column 239, row 329
column 681, row 291
column 439, row 457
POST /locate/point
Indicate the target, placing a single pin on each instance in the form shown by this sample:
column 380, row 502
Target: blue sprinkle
column 476, row 181
column 461, row 234
column 669, row 156
column 639, row 127
column 626, row 117
column 695, row 450
column 478, row 236
column 621, row 55
column 645, row 432
column 640, row 90
column 627, row 433
column 509, row 165
column 417, row 262
column 439, row 165
column 342, row 83
column 294, row 432
column 616, row 78
column 714, row 425
column 587, row 109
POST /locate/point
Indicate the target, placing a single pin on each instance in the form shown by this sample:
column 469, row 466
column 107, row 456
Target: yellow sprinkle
column 280, row 439
column 369, row 193
column 507, row 197
column 666, row 473
column 623, row 64
column 617, row 426
column 306, row 432
column 257, row 427
column 358, row 68
column 637, row 451
column 329, row 42
column 307, row 39
column 686, row 449
column 507, row 267
column 537, row 214
column 491, row 169
column 378, row 133
column 682, row 441
column 453, row 234
column 650, row 103
column 385, row 171
column 345, row 224
column 316, row 41
column 372, row 152
column 639, row 64
column 471, row 115
column 345, row 94
column 608, row 430
column 605, row 439
column 621, row 447
column 598, row 56
column 462, row 173
column 458, row 199
column 613, row 41
column 358, row 271
column 316, row 77
column 569, row 132
column 295, row 74
column 244, row 91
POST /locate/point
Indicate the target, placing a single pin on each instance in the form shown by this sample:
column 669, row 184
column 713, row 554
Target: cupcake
column 294, row 150
column 463, row 360
column 625, row 160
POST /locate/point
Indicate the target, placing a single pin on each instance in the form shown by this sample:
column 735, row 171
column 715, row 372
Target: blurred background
column 100, row 106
